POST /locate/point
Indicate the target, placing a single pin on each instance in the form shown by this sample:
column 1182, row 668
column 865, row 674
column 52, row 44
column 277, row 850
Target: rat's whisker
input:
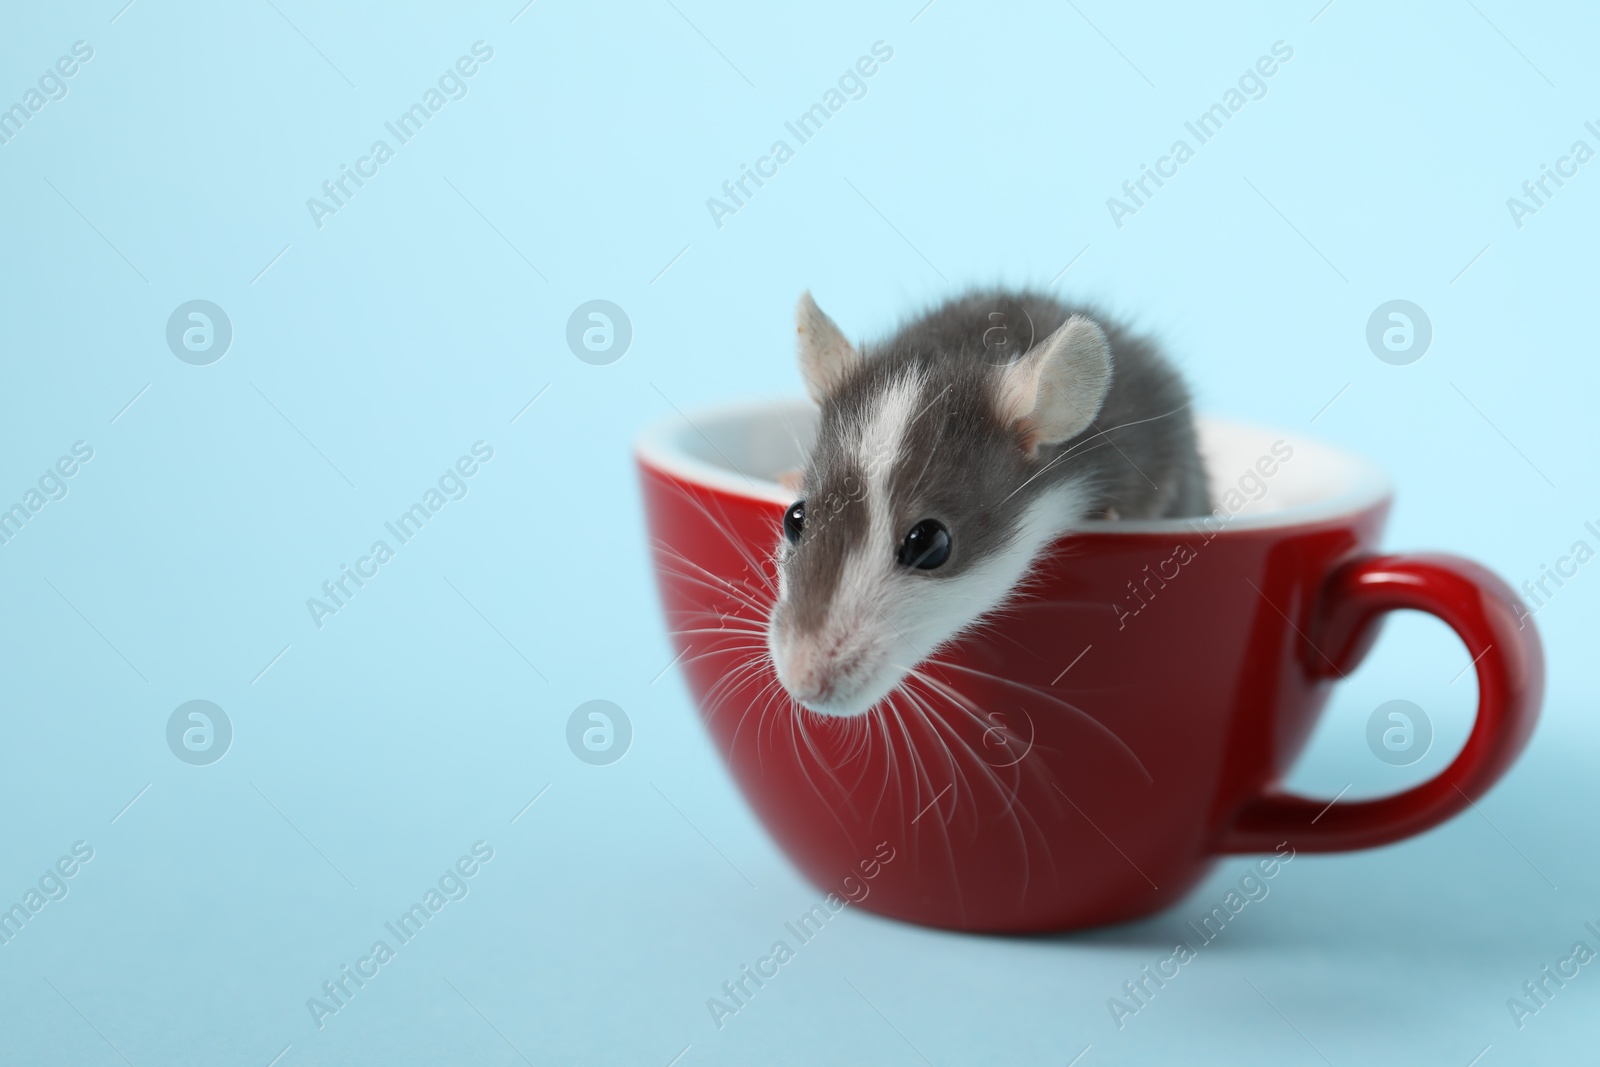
column 1026, row 826
column 1083, row 716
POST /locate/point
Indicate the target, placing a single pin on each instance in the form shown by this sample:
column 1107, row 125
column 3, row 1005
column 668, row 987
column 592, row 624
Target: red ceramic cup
column 1091, row 752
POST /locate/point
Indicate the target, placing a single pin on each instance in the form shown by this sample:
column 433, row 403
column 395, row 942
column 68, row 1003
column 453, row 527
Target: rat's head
column 922, row 503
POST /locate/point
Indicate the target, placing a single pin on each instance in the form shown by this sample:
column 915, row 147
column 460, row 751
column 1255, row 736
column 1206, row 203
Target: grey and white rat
column 948, row 457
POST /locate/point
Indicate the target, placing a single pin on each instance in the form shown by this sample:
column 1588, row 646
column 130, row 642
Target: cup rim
column 660, row 446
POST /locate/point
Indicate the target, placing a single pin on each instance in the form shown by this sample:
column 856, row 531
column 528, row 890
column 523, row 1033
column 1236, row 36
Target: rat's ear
column 825, row 356
column 1054, row 391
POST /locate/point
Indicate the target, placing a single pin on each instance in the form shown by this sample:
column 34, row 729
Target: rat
column 948, row 458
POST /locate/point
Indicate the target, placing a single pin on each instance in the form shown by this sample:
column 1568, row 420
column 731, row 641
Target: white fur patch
column 877, row 445
column 871, row 573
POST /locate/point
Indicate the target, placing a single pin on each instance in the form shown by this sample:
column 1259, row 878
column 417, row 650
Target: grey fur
column 960, row 464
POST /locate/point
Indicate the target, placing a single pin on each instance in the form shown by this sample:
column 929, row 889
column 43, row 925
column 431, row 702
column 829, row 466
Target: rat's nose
column 804, row 673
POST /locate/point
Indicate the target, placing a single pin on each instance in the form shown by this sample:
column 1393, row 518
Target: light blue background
column 415, row 322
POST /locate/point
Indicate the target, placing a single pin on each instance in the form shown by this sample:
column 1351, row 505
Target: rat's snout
column 806, row 664
column 805, row 673
column 825, row 670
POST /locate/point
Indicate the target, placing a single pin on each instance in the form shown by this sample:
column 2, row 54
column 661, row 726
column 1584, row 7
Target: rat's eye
column 927, row 545
column 794, row 520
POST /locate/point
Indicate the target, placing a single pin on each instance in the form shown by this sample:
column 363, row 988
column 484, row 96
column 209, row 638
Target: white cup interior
column 745, row 448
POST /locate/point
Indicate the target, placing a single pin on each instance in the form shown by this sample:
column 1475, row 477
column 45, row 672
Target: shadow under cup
column 1084, row 757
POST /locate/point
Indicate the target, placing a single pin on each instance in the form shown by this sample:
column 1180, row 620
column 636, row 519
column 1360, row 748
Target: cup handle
column 1509, row 661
